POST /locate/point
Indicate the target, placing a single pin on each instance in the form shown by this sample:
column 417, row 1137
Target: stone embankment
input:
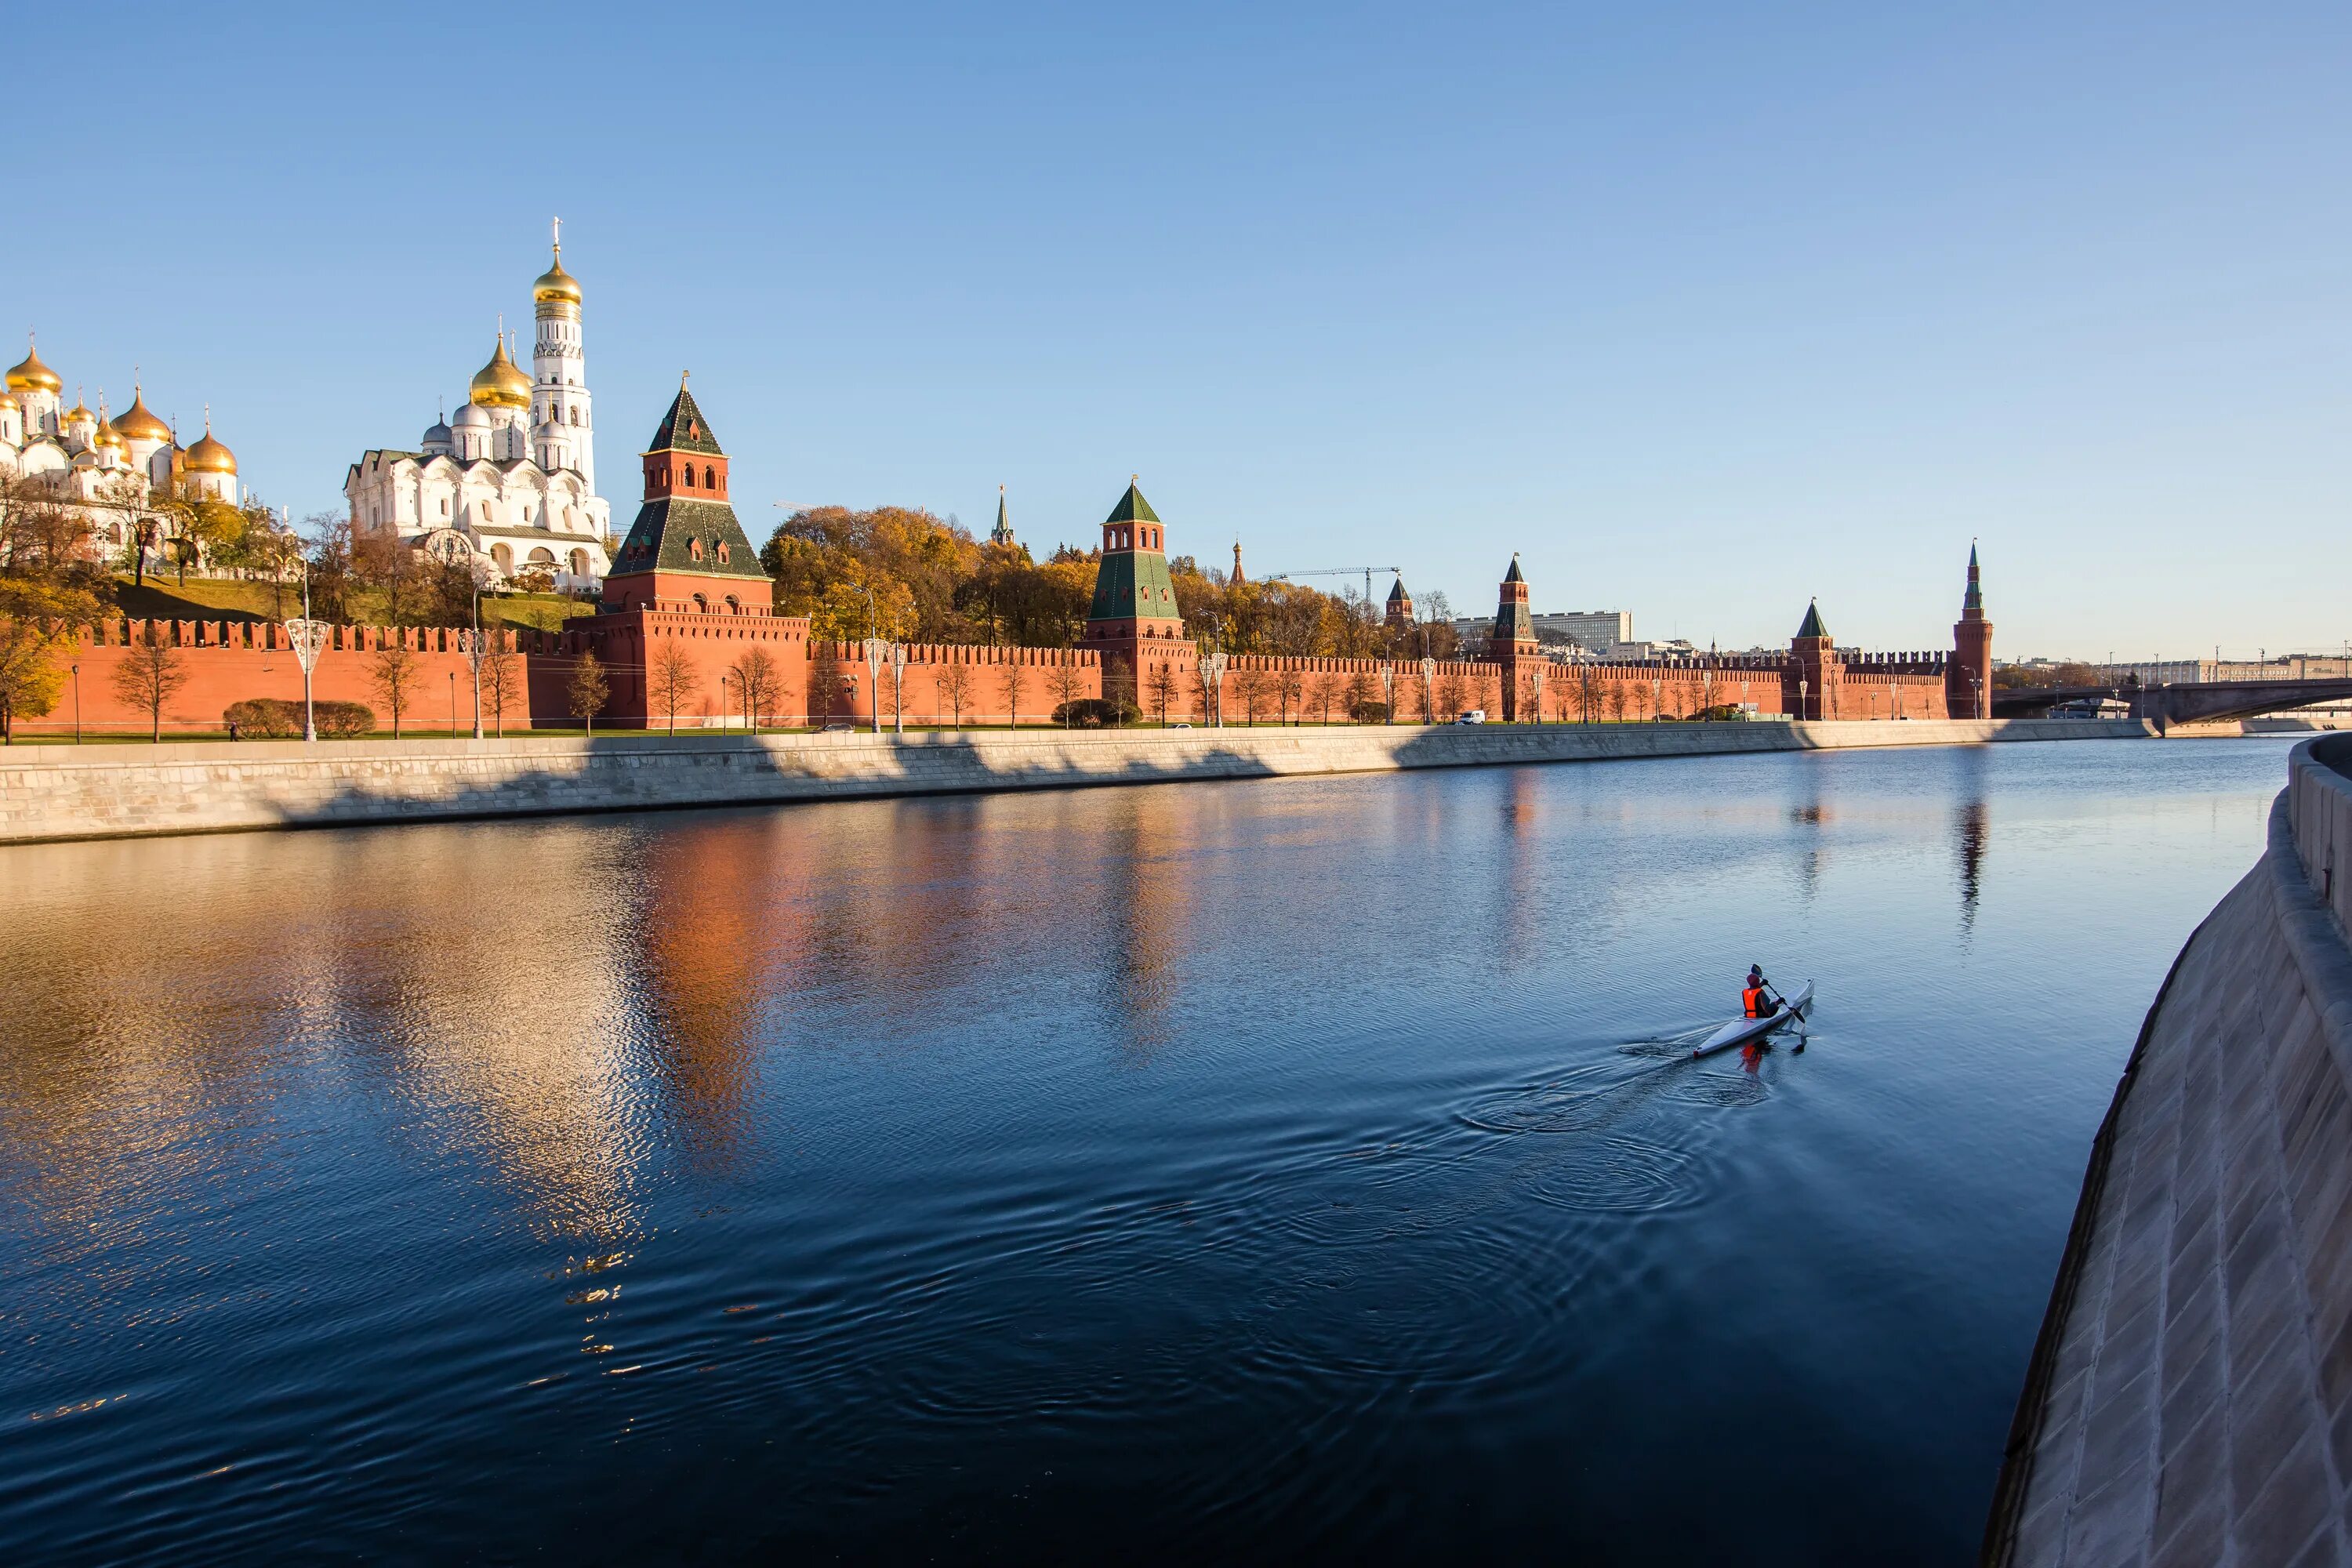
column 104, row 791
column 2189, row 1401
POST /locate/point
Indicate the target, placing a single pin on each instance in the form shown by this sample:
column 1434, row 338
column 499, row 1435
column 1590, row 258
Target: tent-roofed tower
column 1809, row 681
column 1400, row 608
column 688, row 603
column 1001, row 534
column 1968, row 679
column 1512, row 643
column 686, row 550
column 1134, row 622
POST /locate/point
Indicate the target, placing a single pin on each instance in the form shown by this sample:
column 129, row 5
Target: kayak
column 1740, row 1031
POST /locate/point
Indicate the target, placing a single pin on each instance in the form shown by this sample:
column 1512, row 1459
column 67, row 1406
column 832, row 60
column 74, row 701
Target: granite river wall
column 2189, row 1399
column 53, row 792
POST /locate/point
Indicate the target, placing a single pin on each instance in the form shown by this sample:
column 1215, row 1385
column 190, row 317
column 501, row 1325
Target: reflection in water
column 1260, row 1169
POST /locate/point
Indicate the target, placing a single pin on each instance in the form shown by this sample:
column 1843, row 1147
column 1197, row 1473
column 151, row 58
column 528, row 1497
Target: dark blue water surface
column 1254, row 1171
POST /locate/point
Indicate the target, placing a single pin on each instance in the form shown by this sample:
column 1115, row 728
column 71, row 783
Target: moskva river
column 1261, row 1171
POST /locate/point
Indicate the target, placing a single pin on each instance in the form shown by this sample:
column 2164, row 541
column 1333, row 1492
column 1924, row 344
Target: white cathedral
column 109, row 467
column 512, row 479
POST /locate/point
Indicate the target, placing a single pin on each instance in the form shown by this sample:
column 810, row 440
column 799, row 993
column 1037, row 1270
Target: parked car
column 1473, row 716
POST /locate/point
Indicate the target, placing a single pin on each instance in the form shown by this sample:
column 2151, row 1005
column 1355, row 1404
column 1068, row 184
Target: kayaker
column 1756, row 996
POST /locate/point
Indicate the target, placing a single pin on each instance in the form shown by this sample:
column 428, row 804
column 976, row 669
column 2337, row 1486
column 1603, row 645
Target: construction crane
column 1342, row 572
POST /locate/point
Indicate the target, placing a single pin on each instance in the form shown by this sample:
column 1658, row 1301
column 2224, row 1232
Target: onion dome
column 436, row 433
column 471, row 418
column 79, row 413
column 136, row 423
column 556, row 284
column 29, row 375
column 107, row 434
column 208, row 456
column 9, row 401
column 499, row 384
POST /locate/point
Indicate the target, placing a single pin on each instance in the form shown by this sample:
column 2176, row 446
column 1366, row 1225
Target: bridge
column 2177, row 701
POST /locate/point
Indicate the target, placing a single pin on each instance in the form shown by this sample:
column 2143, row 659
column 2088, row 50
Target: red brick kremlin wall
column 228, row 661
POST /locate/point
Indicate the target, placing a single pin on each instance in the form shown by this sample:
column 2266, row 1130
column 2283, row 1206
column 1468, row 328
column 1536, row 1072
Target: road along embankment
column 2189, row 1400
column 105, row 792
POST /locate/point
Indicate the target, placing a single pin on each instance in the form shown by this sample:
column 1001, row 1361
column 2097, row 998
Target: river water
column 1264, row 1169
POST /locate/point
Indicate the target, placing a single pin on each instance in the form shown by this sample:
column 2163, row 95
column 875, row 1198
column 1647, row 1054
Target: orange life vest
column 1752, row 998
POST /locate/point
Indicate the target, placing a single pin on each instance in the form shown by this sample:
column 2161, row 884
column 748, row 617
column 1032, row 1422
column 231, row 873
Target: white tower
column 559, row 369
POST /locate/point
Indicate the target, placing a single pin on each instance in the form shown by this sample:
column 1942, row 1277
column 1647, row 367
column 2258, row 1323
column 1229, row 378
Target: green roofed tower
column 686, row 550
column 1134, row 622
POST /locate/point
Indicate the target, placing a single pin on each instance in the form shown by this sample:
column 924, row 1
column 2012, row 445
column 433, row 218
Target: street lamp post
column 1428, row 689
column 77, row 680
column 876, row 651
column 453, row 703
column 307, row 638
column 1388, row 692
column 1212, row 674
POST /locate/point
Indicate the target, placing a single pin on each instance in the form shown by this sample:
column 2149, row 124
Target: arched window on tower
column 690, row 476
column 709, row 476
column 575, row 414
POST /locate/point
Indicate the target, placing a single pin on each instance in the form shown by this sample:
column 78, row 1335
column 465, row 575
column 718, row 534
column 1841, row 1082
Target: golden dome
column 556, row 283
column 499, row 384
column 30, row 375
column 79, row 414
column 208, row 456
column 8, row 402
column 137, row 424
column 107, row 434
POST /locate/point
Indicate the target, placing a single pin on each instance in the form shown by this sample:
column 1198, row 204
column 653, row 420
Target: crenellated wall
column 817, row 681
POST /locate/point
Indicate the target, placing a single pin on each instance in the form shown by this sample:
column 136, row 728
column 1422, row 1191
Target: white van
column 1473, row 716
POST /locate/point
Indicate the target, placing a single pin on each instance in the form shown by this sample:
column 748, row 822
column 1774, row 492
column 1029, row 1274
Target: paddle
column 1781, row 1000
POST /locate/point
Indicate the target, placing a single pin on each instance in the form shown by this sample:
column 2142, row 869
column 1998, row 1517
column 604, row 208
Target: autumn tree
column 589, row 689
column 150, row 673
column 672, row 678
column 394, row 669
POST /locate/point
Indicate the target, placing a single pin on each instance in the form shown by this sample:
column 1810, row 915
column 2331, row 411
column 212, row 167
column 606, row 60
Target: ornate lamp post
column 307, row 638
column 1428, row 689
column 1388, row 692
column 1802, row 687
column 77, row 680
column 1540, row 692
column 876, row 651
column 1212, row 671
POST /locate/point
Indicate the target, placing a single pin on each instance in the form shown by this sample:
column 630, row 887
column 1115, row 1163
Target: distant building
column 1003, row 532
column 1596, row 631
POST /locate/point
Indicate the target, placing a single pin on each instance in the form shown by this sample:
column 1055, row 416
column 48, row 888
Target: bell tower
column 559, row 367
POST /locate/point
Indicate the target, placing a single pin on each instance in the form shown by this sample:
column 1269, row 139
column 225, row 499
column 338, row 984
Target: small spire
column 558, row 237
column 682, row 378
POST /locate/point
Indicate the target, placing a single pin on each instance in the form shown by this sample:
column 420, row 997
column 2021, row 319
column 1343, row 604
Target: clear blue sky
column 1702, row 309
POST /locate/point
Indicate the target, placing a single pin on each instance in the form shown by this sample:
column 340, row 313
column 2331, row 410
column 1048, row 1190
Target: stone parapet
column 116, row 791
column 2189, row 1399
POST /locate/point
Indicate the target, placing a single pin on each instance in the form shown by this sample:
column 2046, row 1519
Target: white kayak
column 1739, row 1031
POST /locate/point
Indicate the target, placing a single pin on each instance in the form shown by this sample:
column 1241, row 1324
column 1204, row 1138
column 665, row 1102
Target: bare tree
column 1016, row 676
column 824, row 688
column 393, row 671
column 1289, row 687
column 502, row 680
column 1068, row 682
column 1164, row 687
column 151, row 672
column 759, row 682
column 953, row 683
column 589, row 691
column 1250, row 684
column 672, row 678
column 1452, row 694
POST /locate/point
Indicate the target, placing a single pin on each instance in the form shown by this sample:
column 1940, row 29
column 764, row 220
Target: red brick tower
column 687, row 578
column 1133, row 621
column 1809, row 679
column 1968, row 679
column 1512, row 645
column 1400, row 611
